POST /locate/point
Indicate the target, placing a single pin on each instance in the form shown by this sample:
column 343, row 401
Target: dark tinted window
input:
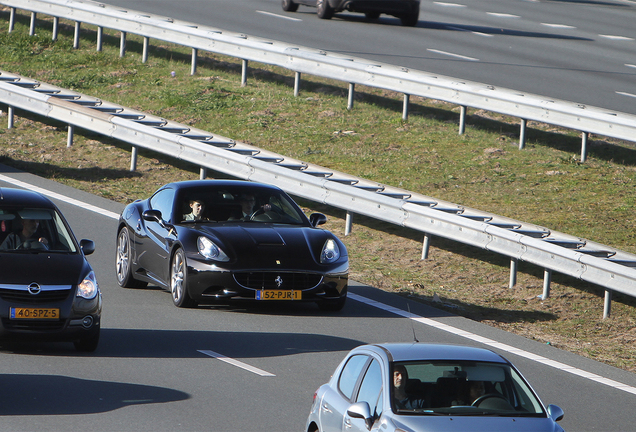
column 350, row 374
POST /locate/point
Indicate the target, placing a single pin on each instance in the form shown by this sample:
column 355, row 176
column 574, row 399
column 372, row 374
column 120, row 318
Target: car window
column 34, row 229
column 371, row 389
column 164, row 202
column 350, row 374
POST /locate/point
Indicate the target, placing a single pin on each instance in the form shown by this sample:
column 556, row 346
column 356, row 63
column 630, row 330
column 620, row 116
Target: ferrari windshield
column 242, row 203
column 33, row 230
column 462, row 388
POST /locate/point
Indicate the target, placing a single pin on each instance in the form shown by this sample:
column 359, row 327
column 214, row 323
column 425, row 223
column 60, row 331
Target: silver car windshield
column 34, row 230
column 461, row 388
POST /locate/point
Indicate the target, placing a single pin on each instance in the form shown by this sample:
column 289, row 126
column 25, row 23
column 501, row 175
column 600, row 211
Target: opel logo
column 279, row 281
column 34, row 288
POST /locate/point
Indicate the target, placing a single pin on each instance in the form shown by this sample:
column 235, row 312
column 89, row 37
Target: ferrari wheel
column 178, row 281
column 325, row 11
column 290, row 6
column 123, row 264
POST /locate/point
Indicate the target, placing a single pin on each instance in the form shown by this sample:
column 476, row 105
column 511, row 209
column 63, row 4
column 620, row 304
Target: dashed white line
column 614, row 37
column 626, row 94
column 236, row 363
column 630, row 65
column 492, row 343
column 449, row 4
column 502, row 15
column 58, row 196
column 563, row 26
column 278, row 15
column 452, row 55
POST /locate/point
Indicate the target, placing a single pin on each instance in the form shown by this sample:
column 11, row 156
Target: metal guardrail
column 583, row 259
column 353, row 70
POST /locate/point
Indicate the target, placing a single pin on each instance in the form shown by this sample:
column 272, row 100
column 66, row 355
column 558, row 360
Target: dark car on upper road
column 421, row 387
column 48, row 290
column 214, row 241
column 408, row 11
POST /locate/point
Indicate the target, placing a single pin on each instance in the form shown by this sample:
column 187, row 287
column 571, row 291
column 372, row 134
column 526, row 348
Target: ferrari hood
column 42, row 268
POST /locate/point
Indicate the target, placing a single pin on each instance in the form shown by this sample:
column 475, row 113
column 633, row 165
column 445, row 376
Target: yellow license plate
column 278, row 295
column 34, row 313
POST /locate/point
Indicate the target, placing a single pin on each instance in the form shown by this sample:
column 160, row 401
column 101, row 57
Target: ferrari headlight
column 330, row 252
column 208, row 249
column 88, row 288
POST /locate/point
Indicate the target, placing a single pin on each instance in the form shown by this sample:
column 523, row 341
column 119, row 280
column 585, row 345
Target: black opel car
column 48, row 290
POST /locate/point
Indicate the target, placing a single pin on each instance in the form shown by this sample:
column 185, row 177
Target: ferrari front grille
column 275, row 280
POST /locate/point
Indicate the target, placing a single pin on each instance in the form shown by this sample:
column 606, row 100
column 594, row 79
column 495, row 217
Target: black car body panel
column 277, row 250
column 45, row 281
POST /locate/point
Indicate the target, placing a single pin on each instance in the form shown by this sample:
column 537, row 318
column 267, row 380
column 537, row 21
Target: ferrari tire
column 289, row 6
column 324, row 9
column 123, row 262
column 87, row 344
column 411, row 19
column 179, row 281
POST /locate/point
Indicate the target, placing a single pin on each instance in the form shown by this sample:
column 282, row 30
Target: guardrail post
column 10, row 113
column 405, row 107
column 513, row 272
column 462, row 119
column 607, row 307
column 76, row 35
column 144, row 54
column 69, row 138
column 56, row 24
column 584, row 136
column 348, row 223
column 296, row 84
column 203, row 173
column 100, row 37
column 547, row 278
column 133, row 159
column 244, row 73
column 32, row 25
column 522, row 134
column 352, row 88
column 122, row 44
column 193, row 68
column 426, row 245
column 11, row 19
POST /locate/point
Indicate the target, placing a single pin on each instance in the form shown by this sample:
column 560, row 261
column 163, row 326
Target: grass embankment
column 543, row 184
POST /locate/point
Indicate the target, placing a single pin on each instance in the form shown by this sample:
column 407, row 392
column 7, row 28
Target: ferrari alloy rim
column 177, row 277
column 122, row 255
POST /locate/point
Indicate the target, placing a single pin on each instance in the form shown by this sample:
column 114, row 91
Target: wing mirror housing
column 87, row 246
column 317, row 219
column 361, row 410
column 155, row 216
column 555, row 413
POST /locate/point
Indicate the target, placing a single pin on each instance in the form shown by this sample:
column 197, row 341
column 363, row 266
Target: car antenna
column 408, row 306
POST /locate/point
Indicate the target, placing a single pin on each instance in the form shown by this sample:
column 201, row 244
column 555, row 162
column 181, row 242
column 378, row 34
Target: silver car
column 428, row 387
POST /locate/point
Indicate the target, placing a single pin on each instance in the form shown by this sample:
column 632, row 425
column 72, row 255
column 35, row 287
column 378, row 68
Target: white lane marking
column 236, row 363
column 614, row 37
column 278, row 15
column 449, row 4
column 466, row 30
column 452, row 55
column 630, row 65
column 502, row 15
column 626, row 94
column 486, row 341
column 59, row 196
column 564, row 26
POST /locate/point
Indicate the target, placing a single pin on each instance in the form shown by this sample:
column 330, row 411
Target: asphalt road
column 236, row 369
column 582, row 51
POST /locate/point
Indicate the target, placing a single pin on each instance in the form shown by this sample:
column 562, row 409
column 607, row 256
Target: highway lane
column 579, row 51
column 153, row 368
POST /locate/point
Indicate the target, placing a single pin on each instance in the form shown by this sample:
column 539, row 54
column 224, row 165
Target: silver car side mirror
column 361, row 410
column 555, row 412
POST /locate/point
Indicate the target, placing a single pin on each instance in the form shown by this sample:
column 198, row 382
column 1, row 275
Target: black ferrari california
column 215, row 241
column 48, row 290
